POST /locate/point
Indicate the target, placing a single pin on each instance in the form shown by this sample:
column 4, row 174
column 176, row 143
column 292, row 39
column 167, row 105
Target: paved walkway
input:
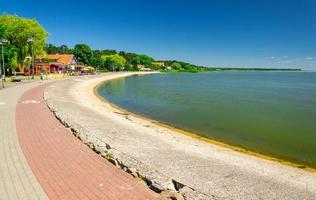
column 8, row 84
column 40, row 158
column 16, row 178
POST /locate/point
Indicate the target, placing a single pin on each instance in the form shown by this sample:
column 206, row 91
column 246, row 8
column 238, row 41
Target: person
column 41, row 77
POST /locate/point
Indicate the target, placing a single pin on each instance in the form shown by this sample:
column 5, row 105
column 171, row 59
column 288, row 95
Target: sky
column 213, row 33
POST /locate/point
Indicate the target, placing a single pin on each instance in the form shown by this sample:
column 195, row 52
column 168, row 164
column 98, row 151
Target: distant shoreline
column 251, row 69
column 212, row 69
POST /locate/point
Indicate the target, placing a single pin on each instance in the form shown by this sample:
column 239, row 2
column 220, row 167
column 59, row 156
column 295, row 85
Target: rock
column 90, row 145
column 100, row 149
column 177, row 185
column 156, row 187
column 103, row 154
column 113, row 161
column 133, row 172
column 169, row 194
column 168, row 185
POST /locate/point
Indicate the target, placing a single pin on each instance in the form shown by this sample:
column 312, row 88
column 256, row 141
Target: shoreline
column 121, row 111
column 166, row 159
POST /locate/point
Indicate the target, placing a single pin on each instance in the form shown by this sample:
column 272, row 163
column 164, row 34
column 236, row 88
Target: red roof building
column 58, row 63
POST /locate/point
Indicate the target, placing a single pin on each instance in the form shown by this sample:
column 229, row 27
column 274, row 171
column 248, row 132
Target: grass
column 109, row 155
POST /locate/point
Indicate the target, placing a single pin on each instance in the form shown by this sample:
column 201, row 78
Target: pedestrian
column 41, row 76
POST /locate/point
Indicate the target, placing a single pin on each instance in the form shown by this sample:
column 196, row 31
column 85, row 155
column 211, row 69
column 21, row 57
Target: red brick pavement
column 63, row 165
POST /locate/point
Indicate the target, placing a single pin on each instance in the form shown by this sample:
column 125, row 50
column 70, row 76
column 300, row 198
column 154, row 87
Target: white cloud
column 309, row 58
column 285, row 56
column 272, row 57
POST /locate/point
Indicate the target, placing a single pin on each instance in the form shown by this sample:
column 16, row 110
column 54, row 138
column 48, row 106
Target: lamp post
column 2, row 42
column 1, row 76
column 31, row 41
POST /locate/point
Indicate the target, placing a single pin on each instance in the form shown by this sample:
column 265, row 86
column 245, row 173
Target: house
column 142, row 67
column 160, row 63
column 57, row 63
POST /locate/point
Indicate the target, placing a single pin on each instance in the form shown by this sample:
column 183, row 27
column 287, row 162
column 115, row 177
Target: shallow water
column 273, row 113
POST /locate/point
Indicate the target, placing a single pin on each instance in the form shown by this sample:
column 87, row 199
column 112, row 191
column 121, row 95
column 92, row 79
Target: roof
column 57, row 64
column 60, row 58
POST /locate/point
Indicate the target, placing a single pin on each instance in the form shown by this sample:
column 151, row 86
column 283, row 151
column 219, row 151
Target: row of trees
column 113, row 60
column 180, row 66
column 104, row 59
column 27, row 38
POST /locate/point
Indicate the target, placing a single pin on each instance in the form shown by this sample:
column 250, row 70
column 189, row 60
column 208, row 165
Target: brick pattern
column 63, row 165
column 16, row 178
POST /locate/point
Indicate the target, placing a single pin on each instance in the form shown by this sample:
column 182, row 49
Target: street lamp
column 31, row 41
column 2, row 74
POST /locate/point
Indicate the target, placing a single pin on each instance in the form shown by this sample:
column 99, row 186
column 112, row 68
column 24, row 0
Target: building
column 142, row 67
column 160, row 63
column 58, row 63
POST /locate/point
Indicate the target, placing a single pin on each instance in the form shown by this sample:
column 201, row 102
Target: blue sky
column 222, row 33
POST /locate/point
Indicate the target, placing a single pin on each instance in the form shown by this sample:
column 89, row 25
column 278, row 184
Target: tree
column 128, row 67
column 18, row 30
column 27, row 62
column 108, row 52
column 143, row 60
column 115, row 62
column 83, row 53
column 131, row 58
column 97, row 62
column 176, row 66
column 50, row 49
column 11, row 57
column 64, row 49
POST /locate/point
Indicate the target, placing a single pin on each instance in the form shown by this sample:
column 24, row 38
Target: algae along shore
column 271, row 113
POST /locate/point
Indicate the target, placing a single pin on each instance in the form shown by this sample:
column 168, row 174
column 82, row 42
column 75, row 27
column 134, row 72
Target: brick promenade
column 40, row 158
column 16, row 178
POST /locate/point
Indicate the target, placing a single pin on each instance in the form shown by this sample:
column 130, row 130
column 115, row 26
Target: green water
column 272, row 113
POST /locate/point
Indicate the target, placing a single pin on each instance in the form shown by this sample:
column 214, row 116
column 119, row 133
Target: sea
column 272, row 113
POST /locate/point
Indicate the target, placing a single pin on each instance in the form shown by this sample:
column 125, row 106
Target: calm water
column 273, row 113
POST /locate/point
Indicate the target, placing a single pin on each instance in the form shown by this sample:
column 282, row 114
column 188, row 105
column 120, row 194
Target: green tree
column 143, row 60
column 176, row 66
column 27, row 62
column 128, row 67
column 11, row 57
column 97, row 62
column 83, row 53
column 62, row 49
column 108, row 52
column 50, row 49
column 114, row 62
column 18, row 30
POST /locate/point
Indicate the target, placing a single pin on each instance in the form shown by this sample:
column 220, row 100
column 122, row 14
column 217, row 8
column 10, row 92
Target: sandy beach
column 210, row 169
